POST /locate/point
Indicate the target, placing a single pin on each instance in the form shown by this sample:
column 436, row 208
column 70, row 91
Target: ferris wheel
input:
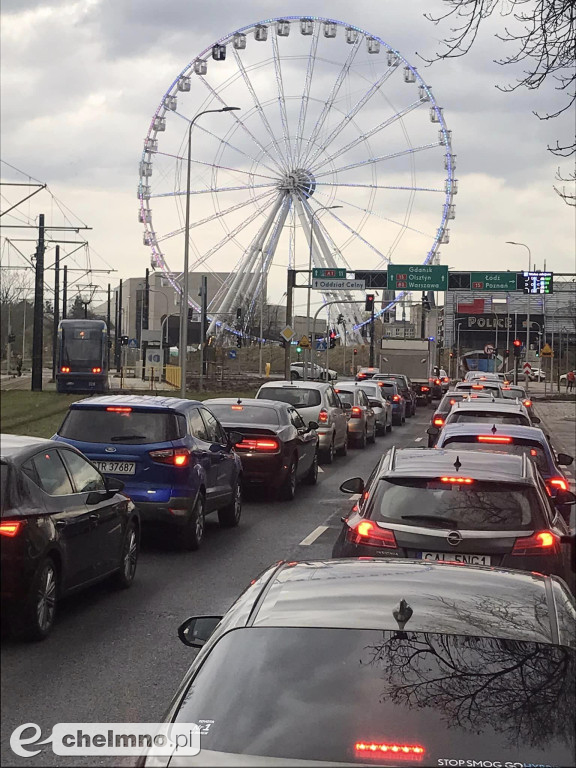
column 338, row 156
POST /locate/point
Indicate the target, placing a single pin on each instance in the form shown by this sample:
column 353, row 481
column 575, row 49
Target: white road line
column 320, row 470
column 417, row 439
column 311, row 538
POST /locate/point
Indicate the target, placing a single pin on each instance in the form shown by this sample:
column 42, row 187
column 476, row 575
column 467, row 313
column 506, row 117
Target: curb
column 561, row 448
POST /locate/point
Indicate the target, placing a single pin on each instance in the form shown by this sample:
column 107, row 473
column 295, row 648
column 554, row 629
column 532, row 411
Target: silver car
column 380, row 405
column 362, row 422
column 315, row 401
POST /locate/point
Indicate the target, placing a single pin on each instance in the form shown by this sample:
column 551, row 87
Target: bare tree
column 14, row 285
column 544, row 35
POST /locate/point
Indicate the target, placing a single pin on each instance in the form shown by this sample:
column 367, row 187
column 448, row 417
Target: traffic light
column 517, row 347
column 11, row 338
column 340, row 320
column 355, row 351
column 238, row 313
column 299, row 349
column 190, row 314
column 425, row 301
column 238, row 341
column 451, row 355
column 506, row 353
column 124, row 340
column 332, row 339
column 369, row 305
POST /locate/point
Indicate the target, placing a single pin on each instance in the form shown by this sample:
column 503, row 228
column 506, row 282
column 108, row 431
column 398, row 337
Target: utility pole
column 372, row 336
column 65, row 293
column 56, row 312
column 145, row 319
column 203, row 312
column 119, row 329
column 108, row 318
column 38, row 331
column 291, row 280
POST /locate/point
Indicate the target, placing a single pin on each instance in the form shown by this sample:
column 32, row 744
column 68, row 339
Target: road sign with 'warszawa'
column 417, row 277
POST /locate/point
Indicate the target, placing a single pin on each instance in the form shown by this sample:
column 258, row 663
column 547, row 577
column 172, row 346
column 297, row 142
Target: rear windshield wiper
column 440, row 522
column 121, row 438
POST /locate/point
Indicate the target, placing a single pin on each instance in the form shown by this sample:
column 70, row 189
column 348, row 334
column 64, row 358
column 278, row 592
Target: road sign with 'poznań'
column 333, row 284
column 329, row 272
column 493, row 281
column 417, row 277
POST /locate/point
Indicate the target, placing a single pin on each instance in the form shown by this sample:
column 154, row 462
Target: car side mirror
column 114, row 484
column 564, row 498
column 95, row 497
column 196, row 630
column 235, row 437
column 564, row 459
column 536, row 420
column 354, row 485
column 312, row 425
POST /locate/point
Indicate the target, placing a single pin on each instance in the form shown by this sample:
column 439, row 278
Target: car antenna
column 494, row 430
column 402, row 614
column 457, row 464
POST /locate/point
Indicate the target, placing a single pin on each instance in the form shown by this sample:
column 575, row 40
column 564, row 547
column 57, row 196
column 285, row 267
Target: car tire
column 192, row 535
column 288, row 489
column 361, row 441
column 409, row 411
column 389, row 426
column 312, row 474
column 124, row 577
column 404, row 419
column 229, row 516
column 328, row 455
column 397, row 421
column 431, row 441
column 343, row 450
column 36, row 618
column 372, row 438
column 294, row 375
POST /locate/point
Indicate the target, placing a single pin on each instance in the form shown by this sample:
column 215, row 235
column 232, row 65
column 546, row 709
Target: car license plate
column 456, row 557
column 117, row 467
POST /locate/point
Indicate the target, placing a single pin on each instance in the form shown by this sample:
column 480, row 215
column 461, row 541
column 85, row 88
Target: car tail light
column 356, row 412
column 558, row 483
column 493, row 439
column 237, row 407
column 177, row 457
column 459, row 480
column 527, row 403
column 361, row 375
column 323, row 416
column 96, row 370
column 119, row 409
column 437, row 421
column 540, row 543
column 446, row 380
column 437, row 381
column 11, row 528
column 395, row 398
column 260, row 446
column 395, row 750
column 477, row 386
column 425, row 389
column 367, row 532
column 65, row 369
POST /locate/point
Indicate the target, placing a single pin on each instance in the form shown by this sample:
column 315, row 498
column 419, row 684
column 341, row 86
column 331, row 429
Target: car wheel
column 312, row 475
column 343, row 450
column 409, row 411
column 404, row 419
column 431, row 441
column 396, row 420
column 288, row 490
column 294, row 375
column 372, row 438
column 328, row 456
column 129, row 559
column 192, row 535
column 361, row 441
column 229, row 516
column 36, row 619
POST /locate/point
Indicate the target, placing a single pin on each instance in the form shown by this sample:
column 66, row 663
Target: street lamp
column 186, row 280
column 513, row 242
column 458, row 324
column 314, row 213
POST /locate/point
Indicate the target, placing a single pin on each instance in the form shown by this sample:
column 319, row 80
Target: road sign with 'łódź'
column 493, row 281
column 417, row 277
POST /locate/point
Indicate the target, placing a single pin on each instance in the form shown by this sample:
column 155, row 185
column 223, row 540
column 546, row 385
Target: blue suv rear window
column 98, row 425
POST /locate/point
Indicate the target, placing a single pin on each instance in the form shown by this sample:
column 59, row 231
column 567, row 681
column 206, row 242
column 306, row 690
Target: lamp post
column 311, row 341
column 261, row 314
column 513, row 242
column 458, row 324
column 186, row 280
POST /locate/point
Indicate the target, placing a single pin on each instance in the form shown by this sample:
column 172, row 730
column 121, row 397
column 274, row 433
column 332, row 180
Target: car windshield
column 483, row 417
column 372, row 390
column 299, row 397
column 235, row 413
column 99, row 425
column 345, row 396
column 513, row 393
column 477, row 506
column 421, row 695
column 516, row 447
column 400, row 383
column 479, row 386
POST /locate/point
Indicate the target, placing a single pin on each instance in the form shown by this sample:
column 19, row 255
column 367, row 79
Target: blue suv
column 176, row 460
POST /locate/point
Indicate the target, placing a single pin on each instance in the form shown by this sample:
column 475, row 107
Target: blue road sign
column 321, row 344
column 232, row 354
column 133, row 343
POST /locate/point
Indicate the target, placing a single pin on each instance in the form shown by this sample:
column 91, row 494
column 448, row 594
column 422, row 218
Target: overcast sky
column 81, row 81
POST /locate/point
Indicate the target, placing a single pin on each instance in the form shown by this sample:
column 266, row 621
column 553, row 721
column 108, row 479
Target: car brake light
column 356, row 412
column 119, row 409
column 323, row 416
column 396, row 398
column 477, row 386
column 446, row 380
column 367, row 532
column 11, row 528
column 237, row 407
column 96, row 370
column 558, row 482
column 177, row 457
column 437, row 421
column 493, row 439
column 452, row 401
column 540, row 543
column 262, row 446
column 65, row 369
column 361, row 375
column 437, row 381
column 425, row 389
column 460, row 480
column 399, row 751
column 527, row 403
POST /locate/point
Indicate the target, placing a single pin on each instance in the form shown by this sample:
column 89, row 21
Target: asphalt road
column 115, row 656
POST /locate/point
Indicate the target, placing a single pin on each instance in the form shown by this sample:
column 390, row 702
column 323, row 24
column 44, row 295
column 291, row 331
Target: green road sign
column 493, row 281
column 340, row 274
column 417, row 277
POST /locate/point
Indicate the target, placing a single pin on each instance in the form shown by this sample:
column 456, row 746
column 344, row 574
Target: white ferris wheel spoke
column 260, row 110
column 376, row 186
column 219, row 167
column 372, row 160
column 306, row 92
column 282, row 101
column 210, row 190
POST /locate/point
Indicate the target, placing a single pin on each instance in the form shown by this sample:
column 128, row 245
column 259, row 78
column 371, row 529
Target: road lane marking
column 311, row 538
column 320, row 470
column 417, row 439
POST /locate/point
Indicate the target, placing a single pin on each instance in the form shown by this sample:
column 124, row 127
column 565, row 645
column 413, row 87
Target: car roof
column 260, row 402
column 296, row 384
column 447, row 598
column 136, row 401
column 501, row 404
column 20, row 446
column 512, row 430
column 435, row 462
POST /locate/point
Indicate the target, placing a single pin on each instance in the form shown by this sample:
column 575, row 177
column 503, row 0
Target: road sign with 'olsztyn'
column 417, row 277
column 493, row 281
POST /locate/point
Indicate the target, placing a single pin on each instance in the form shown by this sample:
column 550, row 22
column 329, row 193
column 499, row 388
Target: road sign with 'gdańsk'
column 417, row 277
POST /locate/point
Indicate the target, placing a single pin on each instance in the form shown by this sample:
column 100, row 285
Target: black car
column 63, row 526
column 422, row 390
column 374, row 662
column 277, row 449
column 461, row 506
column 404, row 387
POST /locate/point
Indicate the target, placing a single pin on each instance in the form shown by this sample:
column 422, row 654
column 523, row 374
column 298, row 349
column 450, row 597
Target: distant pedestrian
column 570, row 376
column 19, row 365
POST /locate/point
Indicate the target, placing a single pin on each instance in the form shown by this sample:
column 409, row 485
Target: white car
column 313, row 372
column 564, row 377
